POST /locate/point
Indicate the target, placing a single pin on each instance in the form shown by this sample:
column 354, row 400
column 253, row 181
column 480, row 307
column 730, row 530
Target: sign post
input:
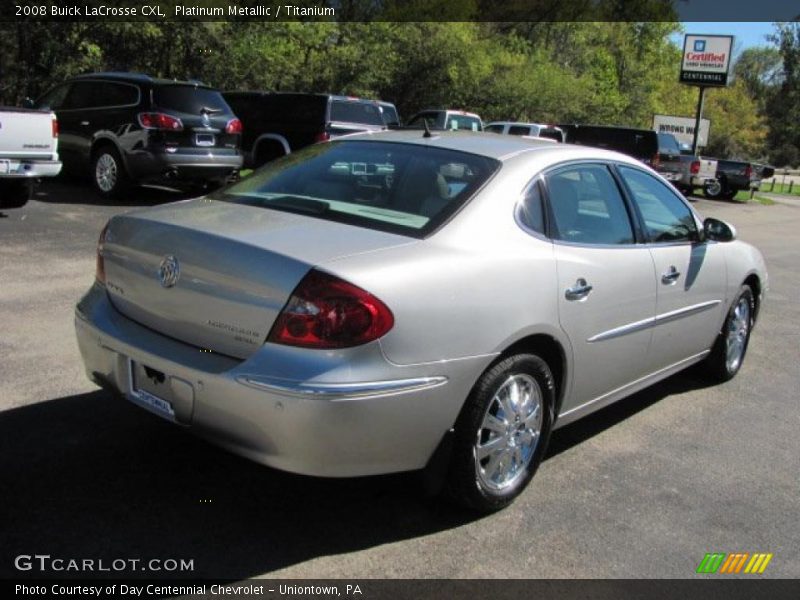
column 706, row 62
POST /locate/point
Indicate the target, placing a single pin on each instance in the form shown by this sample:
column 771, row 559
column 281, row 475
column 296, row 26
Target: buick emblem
column 206, row 120
column 169, row 271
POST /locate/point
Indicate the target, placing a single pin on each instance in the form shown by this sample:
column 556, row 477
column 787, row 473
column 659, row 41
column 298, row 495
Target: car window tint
column 400, row 188
column 115, row 94
column 54, row 99
column 494, row 128
column 389, row 113
column 356, row 112
column 81, row 95
column 587, row 206
column 189, row 99
column 668, row 144
column 530, row 210
column 519, row 130
column 666, row 217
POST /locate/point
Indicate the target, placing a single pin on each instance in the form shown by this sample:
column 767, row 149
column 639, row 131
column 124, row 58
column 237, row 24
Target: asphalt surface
column 643, row 488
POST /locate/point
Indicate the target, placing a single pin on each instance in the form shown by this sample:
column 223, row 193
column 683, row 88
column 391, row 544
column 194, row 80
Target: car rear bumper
column 384, row 419
column 29, row 169
column 182, row 164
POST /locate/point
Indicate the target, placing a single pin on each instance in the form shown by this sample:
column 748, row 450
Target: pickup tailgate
column 27, row 134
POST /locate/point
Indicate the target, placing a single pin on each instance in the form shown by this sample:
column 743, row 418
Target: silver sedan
column 406, row 301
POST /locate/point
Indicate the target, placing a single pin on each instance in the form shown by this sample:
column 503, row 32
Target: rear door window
column 400, row 188
column 587, row 206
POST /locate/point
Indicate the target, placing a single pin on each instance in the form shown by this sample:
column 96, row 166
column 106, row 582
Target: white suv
column 549, row 132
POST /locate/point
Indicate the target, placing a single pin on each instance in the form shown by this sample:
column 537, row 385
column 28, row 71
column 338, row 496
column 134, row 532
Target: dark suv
column 125, row 129
column 278, row 123
column 657, row 150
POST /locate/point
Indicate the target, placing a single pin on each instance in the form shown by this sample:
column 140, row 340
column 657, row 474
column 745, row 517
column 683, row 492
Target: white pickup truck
column 28, row 151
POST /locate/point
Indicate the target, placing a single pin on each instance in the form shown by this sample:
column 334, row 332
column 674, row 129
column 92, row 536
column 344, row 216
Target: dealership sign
column 682, row 128
column 706, row 59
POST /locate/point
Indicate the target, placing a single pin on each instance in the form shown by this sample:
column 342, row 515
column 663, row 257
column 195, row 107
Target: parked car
column 28, row 150
column 695, row 171
column 277, row 123
column 397, row 301
column 446, row 119
column 125, row 129
column 734, row 176
column 536, row 130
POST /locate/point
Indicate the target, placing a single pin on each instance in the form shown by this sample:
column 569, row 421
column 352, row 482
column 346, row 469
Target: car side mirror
column 28, row 103
column 718, row 231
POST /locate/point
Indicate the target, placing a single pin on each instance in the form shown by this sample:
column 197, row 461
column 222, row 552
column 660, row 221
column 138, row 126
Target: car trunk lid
column 215, row 274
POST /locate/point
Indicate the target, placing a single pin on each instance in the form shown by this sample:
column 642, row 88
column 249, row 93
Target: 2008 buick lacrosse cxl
column 391, row 301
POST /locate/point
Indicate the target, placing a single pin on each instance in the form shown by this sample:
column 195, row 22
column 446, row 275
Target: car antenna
column 427, row 133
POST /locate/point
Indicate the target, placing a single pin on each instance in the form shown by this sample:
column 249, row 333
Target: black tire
column 109, row 177
column 713, row 190
column 15, row 193
column 717, row 365
column 468, row 473
column 729, row 194
column 267, row 151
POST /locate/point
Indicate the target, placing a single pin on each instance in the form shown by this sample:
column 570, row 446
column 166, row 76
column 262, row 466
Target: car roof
column 523, row 124
column 138, row 78
column 500, row 147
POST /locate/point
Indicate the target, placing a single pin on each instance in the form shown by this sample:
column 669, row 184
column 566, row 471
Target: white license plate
column 204, row 139
column 672, row 176
column 5, row 166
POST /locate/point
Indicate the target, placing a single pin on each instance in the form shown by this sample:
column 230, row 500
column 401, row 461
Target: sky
column 747, row 34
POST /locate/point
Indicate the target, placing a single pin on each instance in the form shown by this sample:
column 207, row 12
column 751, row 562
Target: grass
column 744, row 196
column 781, row 188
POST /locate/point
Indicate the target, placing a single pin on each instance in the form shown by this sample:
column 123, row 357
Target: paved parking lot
column 641, row 489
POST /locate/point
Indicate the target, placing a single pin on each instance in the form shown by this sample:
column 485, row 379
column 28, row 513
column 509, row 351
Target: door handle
column 671, row 276
column 579, row 291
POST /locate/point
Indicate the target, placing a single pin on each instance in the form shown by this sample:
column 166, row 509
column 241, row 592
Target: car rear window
column 464, row 122
column 400, row 188
column 668, row 144
column 349, row 111
column 189, row 99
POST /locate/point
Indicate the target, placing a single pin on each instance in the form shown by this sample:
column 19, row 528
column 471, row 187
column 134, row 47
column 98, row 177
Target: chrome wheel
column 736, row 336
column 509, row 434
column 106, row 172
column 713, row 188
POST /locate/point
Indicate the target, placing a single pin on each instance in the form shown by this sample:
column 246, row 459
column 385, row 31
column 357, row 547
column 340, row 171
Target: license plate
column 672, row 176
column 150, row 389
column 5, row 166
column 204, row 139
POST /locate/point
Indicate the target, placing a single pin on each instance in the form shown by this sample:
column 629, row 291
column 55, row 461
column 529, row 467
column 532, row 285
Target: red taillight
column 160, row 121
column 100, row 271
column 234, row 126
column 695, row 167
column 323, row 136
column 327, row 312
column 55, row 127
column 748, row 171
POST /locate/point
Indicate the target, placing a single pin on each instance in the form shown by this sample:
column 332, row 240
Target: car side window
column 666, row 217
column 54, row 99
column 587, row 206
column 519, row 130
column 115, row 94
column 530, row 210
column 81, row 95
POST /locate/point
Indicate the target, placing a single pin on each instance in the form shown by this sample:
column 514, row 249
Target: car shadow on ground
column 73, row 190
column 91, row 476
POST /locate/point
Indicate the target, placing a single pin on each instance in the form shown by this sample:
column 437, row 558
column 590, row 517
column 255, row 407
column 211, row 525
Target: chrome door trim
column 667, row 317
